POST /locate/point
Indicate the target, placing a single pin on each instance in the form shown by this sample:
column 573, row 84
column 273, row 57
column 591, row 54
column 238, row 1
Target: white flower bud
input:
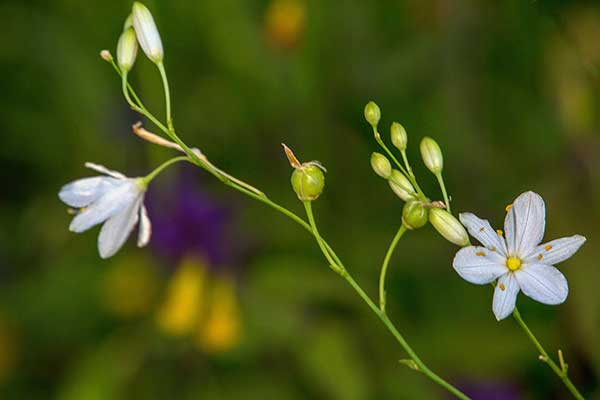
column 106, row 56
column 448, row 226
column 432, row 155
column 401, row 186
column 381, row 165
column 127, row 50
column 147, row 33
column 128, row 22
column 372, row 113
column 398, row 134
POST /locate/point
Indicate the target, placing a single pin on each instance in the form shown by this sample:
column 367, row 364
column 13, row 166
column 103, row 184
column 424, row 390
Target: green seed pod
column 381, row 165
column 372, row 113
column 308, row 182
column 401, row 186
column 414, row 215
column 399, row 137
column 127, row 50
column 448, row 226
column 432, row 155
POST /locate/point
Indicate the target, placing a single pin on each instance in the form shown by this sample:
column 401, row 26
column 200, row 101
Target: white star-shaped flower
column 519, row 262
column 113, row 198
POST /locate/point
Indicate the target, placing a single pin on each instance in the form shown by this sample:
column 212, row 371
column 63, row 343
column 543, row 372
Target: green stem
column 148, row 178
column 384, row 266
column 561, row 373
column 163, row 75
column 329, row 255
column 440, row 180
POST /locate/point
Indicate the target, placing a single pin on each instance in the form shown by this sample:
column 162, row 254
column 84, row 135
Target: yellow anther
column 513, row 263
column 502, row 287
column 508, row 207
column 539, row 257
column 499, row 232
column 481, row 229
column 548, row 247
column 493, row 248
column 480, row 254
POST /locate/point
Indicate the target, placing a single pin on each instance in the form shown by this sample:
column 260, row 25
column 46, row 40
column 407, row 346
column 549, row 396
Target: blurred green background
column 509, row 89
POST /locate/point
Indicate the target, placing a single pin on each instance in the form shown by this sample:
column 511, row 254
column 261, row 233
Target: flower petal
column 103, row 170
column 505, row 296
column 115, row 231
column 525, row 223
column 83, row 192
column 479, row 265
column 543, row 283
column 556, row 251
column 481, row 230
column 109, row 204
column 145, row 229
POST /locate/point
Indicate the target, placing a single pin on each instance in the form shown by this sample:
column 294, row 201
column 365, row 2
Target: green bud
column 381, row 165
column 372, row 113
column 308, row 182
column 448, row 226
column 128, row 22
column 398, row 134
column 414, row 215
column 401, row 186
column 432, row 155
column 147, row 33
column 127, row 50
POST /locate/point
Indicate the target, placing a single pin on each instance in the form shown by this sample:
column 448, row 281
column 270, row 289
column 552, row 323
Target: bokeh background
column 233, row 301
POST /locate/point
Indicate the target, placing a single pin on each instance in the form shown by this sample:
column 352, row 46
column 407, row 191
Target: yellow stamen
column 508, row 207
column 493, row 248
column 480, row 254
column 481, row 229
column 499, row 232
column 548, row 247
column 539, row 257
column 513, row 263
column 502, row 287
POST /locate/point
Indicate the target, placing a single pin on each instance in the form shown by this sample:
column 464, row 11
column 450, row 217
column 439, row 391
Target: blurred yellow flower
column 221, row 330
column 284, row 23
column 130, row 287
column 180, row 313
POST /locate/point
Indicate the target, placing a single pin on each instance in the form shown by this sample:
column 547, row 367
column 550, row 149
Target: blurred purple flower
column 186, row 221
column 491, row 390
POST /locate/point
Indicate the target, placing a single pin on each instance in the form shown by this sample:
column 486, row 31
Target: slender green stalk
column 148, row 178
column 561, row 372
column 384, row 266
column 440, row 180
column 328, row 253
column 163, row 75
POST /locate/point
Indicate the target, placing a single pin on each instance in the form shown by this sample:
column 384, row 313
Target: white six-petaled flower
column 113, row 198
column 518, row 261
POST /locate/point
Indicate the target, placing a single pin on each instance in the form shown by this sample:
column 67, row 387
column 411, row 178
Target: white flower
column 114, row 198
column 519, row 262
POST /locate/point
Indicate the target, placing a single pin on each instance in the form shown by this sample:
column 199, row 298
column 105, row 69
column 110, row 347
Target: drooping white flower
column 114, row 199
column 518, row 261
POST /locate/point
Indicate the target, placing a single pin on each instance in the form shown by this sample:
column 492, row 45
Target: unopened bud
column 414, row 215
column 398, row 134
column 372, row 113
column 127, row 50
column 448, row 226
column 381, row 165
column 128, row 22
column 106, row 56
column 308, row 180
column 147, row 33
column 432, row 155
column 401, row 186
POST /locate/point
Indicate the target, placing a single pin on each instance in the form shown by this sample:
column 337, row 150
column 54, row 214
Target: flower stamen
column 513, row 263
